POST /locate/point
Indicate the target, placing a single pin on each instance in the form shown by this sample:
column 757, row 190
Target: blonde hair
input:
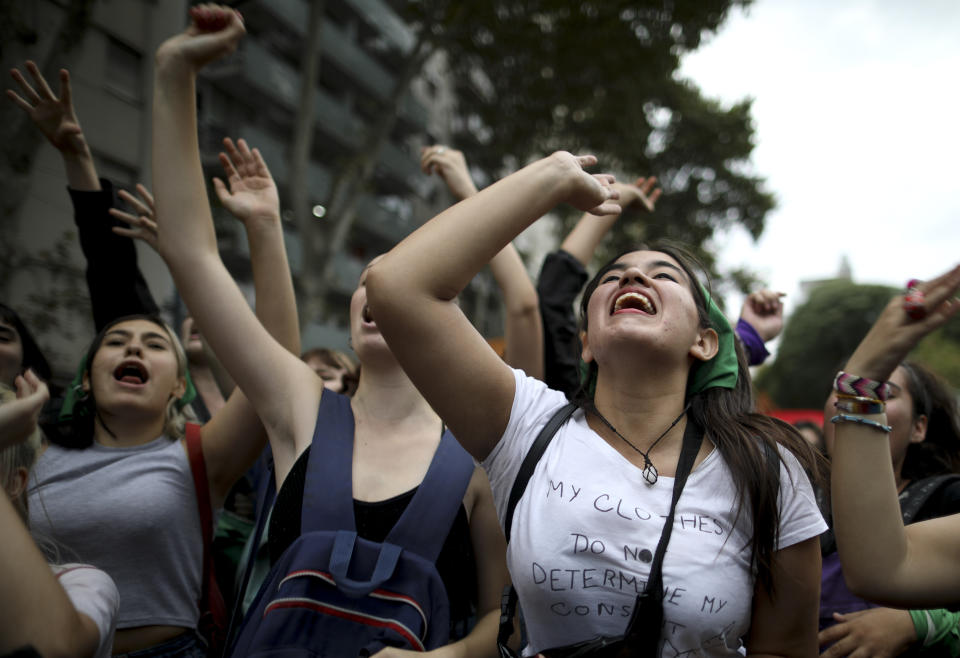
column 175, row 416
column 20, row 455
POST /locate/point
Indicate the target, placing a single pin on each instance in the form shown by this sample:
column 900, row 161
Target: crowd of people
column 605, row 487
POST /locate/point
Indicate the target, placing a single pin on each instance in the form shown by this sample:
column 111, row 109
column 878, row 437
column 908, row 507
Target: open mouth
column 634, row 302
column 366, row 315
column 130, row 372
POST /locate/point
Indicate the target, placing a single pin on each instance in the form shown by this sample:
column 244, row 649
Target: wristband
column 937, row 628
column 859, row 405
column 844, row 418
column 860, row 386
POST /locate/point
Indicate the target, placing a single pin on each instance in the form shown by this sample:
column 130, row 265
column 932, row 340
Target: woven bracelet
column 844, row 418
column 860, row 405
column 861, row 386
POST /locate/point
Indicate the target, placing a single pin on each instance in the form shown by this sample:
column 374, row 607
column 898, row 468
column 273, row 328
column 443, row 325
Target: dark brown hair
column 932, row 397
column 338, row 360
column 743, row 437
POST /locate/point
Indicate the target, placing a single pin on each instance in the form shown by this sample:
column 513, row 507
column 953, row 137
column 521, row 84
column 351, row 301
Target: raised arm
column 883, row 561
column 411, row 292
column 282, row 389
column 114, row 280
column 523, row 331
column 761, row 320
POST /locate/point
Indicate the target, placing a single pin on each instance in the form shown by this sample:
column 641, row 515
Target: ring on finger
column 913, row 301
column 441, row 149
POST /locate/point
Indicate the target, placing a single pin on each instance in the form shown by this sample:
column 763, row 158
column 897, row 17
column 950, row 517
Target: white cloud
column 856, row 115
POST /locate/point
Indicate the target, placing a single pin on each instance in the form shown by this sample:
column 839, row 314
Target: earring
column 82, row 394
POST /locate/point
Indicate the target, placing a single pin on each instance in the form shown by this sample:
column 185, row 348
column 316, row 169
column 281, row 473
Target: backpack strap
column 914, row 498
column 328, row 490
column 437, row 501
column 211, row 603
column 531, row 460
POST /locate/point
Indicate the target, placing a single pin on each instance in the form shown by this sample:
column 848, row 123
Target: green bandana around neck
column 721, row 371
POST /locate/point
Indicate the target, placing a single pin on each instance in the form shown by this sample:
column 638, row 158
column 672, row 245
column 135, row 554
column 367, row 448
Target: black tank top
column 456, row 563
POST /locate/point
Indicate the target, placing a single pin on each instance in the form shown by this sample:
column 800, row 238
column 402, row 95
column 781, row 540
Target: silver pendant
column 650, row 472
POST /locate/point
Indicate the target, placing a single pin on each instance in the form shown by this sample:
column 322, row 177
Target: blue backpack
column 335, row 594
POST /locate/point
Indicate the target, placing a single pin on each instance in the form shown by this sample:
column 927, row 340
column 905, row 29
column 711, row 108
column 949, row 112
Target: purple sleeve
column 756, row 351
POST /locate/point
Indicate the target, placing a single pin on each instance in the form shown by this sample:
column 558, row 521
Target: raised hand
column 143, row 225
column 18, row 418
column 764, row 311
column 643, row 193
column 214, row 32
column 592, row 193
column 53, row 115
column 451, row 166
column 252, row 195
column 895, row 333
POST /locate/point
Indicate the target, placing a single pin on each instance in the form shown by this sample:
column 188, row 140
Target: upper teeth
column 643, row 301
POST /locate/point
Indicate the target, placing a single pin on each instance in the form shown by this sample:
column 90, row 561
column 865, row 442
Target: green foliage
column 818, row 338
column 940, row 352
column 600, row 76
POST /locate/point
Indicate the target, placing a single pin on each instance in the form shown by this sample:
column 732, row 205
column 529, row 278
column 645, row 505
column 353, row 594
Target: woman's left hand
column 18, row 418
column 143, row 224
column 592, row 193
column 895, row 333
column 879, row 632
column 252, row 195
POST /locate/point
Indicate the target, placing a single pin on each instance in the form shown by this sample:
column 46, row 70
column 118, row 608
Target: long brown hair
column 745, row 439
column 939, row 452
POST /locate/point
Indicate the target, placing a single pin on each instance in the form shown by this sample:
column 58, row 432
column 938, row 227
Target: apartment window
column 124, row 70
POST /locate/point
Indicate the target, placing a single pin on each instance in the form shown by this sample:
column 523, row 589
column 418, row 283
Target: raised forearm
column 81, row 171
column 276, row 302
column 460, row 244
column 207, row 388
column 182, row 207
column 582, row 241
column 523, row 329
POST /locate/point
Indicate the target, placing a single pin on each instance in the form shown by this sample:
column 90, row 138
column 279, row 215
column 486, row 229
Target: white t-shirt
column 94, row 594
column 586, row 528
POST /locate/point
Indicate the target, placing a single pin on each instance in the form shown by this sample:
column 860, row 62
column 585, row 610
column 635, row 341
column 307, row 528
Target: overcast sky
column 857, row 117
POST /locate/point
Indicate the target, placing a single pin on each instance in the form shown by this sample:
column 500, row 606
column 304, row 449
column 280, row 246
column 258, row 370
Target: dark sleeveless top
column 456, row 562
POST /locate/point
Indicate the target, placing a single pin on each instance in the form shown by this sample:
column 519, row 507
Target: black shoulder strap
column 508, row 602
column 914, row 498
column 531, row 459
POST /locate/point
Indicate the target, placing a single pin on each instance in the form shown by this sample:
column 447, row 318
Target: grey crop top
column 131, row 512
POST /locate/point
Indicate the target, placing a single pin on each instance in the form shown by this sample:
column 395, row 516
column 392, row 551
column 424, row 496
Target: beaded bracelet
column 844, row 418
column 860, row 405
column 860, row 386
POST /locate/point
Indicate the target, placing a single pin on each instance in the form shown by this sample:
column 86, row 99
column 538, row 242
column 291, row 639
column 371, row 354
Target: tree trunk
column 301, row 148
column 347, row 186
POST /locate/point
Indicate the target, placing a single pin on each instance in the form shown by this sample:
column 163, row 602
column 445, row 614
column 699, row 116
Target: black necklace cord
column 650, row 473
